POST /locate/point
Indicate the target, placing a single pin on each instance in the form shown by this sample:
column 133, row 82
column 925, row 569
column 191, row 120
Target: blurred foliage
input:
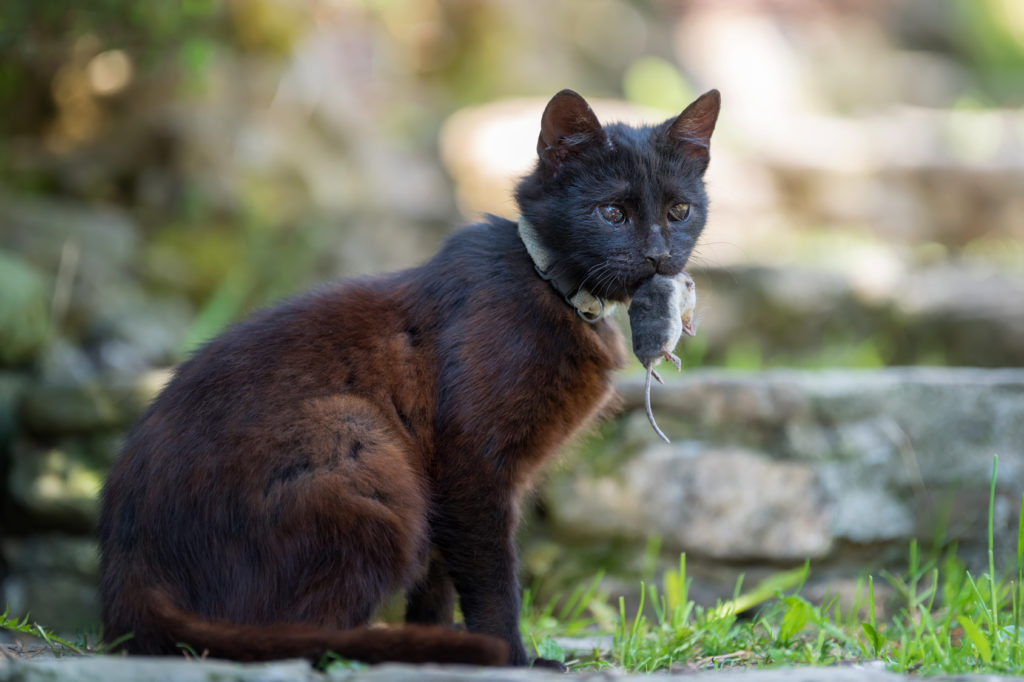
column 92, row 96
column 655, row 82
column 992, row 33
column 38, row 39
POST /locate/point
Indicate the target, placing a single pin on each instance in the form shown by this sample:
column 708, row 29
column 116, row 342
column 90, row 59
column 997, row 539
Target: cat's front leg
column 476, row 539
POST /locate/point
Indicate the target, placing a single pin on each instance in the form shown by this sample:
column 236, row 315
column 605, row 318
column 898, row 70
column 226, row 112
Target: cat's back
column 309, row 344
column 252, row 400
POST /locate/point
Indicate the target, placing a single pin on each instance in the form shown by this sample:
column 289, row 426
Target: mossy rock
column 59, row 408
column 11, row 386
column 24, row 311
column 58, row 485
column 53, row 578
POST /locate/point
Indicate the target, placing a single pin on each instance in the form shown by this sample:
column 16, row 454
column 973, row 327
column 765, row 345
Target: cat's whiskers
column 605, row 274
column 599, row 270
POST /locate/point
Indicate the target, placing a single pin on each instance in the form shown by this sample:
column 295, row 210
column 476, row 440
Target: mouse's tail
column 647, row 404
column 166, row 627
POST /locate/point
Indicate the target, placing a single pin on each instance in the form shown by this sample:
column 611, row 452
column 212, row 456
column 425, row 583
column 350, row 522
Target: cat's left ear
column 568, row 125
column 691, row 131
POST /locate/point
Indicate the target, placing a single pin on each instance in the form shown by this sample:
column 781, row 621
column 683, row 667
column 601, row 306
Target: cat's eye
column 680, row 211
column 612, row 214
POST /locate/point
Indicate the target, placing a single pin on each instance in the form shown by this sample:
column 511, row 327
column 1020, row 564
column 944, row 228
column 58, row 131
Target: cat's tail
column 239, row 642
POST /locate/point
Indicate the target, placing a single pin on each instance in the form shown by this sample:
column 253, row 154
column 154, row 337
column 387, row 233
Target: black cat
column 377, row 435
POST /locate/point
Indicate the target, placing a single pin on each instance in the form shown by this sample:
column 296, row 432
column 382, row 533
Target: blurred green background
column 167, row 167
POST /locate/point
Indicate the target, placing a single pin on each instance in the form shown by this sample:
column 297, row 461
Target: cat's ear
column 691, row 131
column 568, row 124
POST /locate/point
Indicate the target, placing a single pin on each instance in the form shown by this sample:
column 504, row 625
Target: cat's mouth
column 671, row 266
column 617, row 279
column 625, row 293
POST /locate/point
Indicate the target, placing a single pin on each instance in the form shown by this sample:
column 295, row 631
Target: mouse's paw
column 673, row 358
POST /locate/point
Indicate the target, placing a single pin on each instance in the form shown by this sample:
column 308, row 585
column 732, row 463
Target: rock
column 66, row 407
column 140, row 333
column 69, row 435
column 53, row 578
column 723, row 503
column 788, row 464
column 93, row 256
column 51, row 409
column 890, row 315
column 119, row 669
column 57, row 486
column 24, row 311
column 969, row 315
column 11, row 386
column 98, row 243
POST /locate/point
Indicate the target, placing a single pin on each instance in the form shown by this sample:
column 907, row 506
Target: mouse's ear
column 691, row 131
column 567, row 126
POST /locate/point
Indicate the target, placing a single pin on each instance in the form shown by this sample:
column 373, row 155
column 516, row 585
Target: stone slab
column 120, row 669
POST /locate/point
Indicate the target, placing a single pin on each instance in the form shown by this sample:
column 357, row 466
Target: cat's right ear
column 568, row 124
column 691, row 131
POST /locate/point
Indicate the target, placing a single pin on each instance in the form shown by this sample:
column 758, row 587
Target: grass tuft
column 948, row 621
column 58, row 645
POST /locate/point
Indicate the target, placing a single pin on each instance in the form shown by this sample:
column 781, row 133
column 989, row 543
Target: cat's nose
column 657, row 249
column 657, row 259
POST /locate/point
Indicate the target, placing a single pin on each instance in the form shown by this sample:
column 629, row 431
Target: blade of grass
column 58, row 645
column 874, row 638
column 1018, row 592
column 871, row 602
column 973, row 633
column 994, row 631
column 798, row 612
column 764, row 591
column 676, row 588
column 574, row 608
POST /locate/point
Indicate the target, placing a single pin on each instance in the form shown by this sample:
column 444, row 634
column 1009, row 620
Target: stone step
column 767, row 469
column 891, row 315
column 116, row 669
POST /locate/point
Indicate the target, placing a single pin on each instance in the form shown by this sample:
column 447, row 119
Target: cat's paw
column 550, row 664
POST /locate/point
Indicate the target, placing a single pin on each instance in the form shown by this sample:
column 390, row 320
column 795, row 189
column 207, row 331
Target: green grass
column 947, row 621
column 58, row 645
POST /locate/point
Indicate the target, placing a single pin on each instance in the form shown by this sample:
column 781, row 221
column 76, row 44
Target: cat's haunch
column 376, row 435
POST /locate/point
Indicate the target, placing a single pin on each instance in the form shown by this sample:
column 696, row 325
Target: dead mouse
column 661, row 311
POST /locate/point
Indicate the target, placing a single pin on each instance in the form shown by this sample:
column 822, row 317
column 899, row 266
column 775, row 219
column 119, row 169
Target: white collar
column 589, row 307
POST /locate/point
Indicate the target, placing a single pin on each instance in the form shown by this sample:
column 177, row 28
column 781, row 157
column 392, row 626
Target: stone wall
column 767, row 469
column 56, row 457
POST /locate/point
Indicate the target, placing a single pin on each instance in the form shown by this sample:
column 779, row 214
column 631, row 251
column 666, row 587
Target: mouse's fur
column 661, row 311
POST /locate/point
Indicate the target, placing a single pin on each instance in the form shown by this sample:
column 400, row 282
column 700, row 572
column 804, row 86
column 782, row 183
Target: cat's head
column 614, row 204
